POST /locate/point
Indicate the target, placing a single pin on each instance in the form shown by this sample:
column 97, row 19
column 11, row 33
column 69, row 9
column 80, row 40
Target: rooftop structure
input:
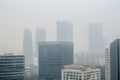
column 81, row 72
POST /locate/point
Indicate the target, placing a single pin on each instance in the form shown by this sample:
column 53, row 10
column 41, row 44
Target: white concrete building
column 107, row 64
column 80, row 72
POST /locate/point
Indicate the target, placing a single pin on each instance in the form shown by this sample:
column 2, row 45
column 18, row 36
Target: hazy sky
column 17, row 14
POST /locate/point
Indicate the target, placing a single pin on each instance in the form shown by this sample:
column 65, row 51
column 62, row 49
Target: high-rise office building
column 39, row 36
column 28, row 47
column 12, row 67
column 80, row 72
column 107, row 64
column 64, row 31
column 115, row 59
column 96, row 43
column 52, row 57
column 28, row 51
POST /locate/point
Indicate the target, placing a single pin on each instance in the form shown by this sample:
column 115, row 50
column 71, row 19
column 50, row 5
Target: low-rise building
column 12, row 67
column 80, row 72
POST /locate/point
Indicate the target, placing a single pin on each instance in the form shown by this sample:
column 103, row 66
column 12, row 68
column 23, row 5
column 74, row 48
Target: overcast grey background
column 17, row 14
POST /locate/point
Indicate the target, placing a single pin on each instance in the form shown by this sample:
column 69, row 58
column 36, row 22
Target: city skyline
column 15, row 15
column 60, row 39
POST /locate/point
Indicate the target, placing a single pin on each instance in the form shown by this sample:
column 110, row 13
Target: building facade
column 12, row 67
column 80, row 72
column 64, row 31
column 107, row 64
column 115, row 59
column 52, row 57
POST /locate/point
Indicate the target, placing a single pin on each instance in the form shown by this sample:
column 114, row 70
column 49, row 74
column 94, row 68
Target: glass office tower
column 115, row 59
column 52, row 57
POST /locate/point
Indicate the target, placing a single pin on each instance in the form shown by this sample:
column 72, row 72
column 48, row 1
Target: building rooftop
column 55, row 42
column 80, row 67
column 11, row 54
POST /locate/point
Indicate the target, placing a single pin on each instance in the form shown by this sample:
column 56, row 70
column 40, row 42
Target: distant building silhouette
column 96, row 43
column 39, row 36
column 28, row 47
column 28, row 51
column 115, row 59
column 12, row 67
column 64, row 31
column 52, row 57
